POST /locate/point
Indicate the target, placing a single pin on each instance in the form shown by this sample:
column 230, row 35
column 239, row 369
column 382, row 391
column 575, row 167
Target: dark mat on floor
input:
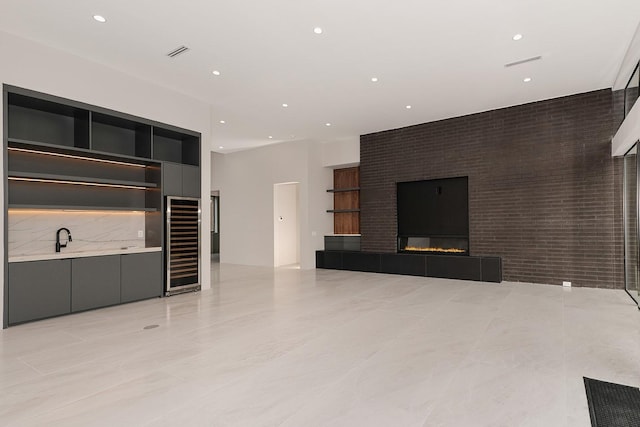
column 612, row 405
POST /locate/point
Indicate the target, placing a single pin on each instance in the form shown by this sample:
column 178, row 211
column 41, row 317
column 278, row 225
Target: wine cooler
column 183, row 237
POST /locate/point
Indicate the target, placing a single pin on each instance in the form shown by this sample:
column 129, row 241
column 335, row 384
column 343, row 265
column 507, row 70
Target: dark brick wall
column 544, row 191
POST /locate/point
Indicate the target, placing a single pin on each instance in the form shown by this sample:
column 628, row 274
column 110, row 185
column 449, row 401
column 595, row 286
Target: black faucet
column 60, row 245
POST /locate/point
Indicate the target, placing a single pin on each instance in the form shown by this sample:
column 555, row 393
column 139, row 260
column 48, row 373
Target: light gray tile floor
column 288, row 347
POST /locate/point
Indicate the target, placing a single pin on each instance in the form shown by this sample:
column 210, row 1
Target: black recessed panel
column 361, row 261
column 412, row 265
column 437, row 207
column 319, row 259
column 454, row 267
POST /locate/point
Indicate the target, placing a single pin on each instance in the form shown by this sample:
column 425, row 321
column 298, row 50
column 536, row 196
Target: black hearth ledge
column 479, row 268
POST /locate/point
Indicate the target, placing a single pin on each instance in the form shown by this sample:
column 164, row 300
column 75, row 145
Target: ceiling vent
column 524, row 61
column 177, row 51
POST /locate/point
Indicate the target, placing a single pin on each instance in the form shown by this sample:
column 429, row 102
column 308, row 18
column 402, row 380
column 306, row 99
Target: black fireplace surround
column 433, row 237
column 433, row 216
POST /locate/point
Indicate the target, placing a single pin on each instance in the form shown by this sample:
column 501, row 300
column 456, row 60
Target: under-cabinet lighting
column 72, row 156
column 92, row 184
column 87, row 211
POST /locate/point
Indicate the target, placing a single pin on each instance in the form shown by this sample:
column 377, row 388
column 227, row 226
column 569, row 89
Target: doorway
column 286, row 224
column 215, row 226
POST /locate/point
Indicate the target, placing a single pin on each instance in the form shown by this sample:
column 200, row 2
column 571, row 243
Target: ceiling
column 443, row 58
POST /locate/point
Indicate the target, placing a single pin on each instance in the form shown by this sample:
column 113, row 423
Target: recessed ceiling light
column 517, row 37
column 526, row 79
column 327, row 124
column 270, row 137
column 99, row 18
column 215, row 72
column 285, row 105
column 408, row 107
column 222, row 121
column 374, row 79
column 317, row 30
column 221, row 147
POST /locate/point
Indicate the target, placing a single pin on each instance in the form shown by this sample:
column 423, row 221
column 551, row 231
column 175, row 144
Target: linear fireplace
column 433, row 216
column 434, row 245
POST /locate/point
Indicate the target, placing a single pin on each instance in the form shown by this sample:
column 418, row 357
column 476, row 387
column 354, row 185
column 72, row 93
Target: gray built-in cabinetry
column 95, row 282
column 38, row 289
column 67, row 155
column 41, row 289
column 180, row 180
column 140, row 276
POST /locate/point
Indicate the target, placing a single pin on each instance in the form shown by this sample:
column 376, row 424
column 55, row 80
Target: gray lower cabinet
column 38, row 289
column 191, row 181
column 95, row 282
column 141, row 276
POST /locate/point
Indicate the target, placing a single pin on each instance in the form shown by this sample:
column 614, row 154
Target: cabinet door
column 141, row 276
column 191, row 181
column 39, row 289
column 95, row 282
column 171, row 179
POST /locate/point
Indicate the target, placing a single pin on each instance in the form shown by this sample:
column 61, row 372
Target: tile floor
column 324, row 348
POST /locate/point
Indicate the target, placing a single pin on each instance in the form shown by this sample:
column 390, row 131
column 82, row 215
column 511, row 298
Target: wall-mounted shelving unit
column 346, row 200
column 65, row 155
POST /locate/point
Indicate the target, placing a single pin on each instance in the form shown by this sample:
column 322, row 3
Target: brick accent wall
column 544, row 191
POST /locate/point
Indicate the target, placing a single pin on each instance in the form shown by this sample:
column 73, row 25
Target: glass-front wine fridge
column 182, row 243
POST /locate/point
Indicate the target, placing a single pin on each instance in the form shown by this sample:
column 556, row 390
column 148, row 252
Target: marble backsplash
column 33, row 232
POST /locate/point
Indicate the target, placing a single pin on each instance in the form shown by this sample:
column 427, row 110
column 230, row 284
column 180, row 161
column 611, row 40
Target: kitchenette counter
column 83, row 254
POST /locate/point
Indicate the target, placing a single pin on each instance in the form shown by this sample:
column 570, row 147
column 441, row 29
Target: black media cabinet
column 479, row 268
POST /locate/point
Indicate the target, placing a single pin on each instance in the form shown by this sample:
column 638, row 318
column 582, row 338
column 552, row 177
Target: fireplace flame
column 445, row 250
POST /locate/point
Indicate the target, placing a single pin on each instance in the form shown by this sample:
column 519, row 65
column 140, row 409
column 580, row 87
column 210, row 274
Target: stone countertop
column 67, row 255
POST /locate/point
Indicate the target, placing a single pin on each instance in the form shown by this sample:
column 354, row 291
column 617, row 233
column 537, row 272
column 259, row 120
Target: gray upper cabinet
column 95, row 282
column 180, row 180
column 141, row 276
column 171, row 179
column 38, row 289
column 191, row 181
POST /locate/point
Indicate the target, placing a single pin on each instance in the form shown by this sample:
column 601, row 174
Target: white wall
column 286, row 225
column 342, row 153
column 245, row 180
column 34, row 66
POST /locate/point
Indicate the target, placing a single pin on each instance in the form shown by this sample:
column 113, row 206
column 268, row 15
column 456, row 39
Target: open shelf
column 81, row 208
column 79, row 152
column 111, row 134
column 176, row 147
column 38, row 119
column 342, row 210
column 78, row 180
column 45, row 120
column 342, row 190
